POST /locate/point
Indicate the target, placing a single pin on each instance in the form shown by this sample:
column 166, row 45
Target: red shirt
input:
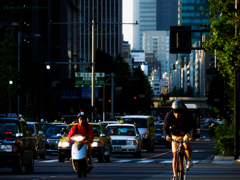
column 81, row 129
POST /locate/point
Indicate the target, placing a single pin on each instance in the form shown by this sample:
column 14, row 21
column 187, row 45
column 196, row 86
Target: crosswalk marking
column 144, row 161
column 122, row 161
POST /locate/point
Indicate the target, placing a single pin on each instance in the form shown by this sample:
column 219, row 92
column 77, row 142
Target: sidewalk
column 225, row 160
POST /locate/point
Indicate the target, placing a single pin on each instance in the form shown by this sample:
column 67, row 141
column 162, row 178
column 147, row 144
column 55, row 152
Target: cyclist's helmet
column 177, row 106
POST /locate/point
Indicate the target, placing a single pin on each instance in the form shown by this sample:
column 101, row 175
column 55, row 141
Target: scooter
column 79, row 156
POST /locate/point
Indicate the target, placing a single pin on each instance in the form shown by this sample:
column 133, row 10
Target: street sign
column 69, row 93
column 86, row 92
column 85, row 79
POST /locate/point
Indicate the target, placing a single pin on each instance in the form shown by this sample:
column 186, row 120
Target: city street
column 155, row 165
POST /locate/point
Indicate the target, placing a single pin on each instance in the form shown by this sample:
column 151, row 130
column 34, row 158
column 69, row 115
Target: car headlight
column 132, row 142
column 8, row 148
column 144, row 135
column 96, row 144
column 63, row 144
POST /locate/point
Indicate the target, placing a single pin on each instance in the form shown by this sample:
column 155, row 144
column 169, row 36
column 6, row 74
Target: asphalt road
column 156, row 165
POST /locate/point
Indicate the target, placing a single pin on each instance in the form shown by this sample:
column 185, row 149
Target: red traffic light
column 109, row 100
column 135, row 97
column 151, row 106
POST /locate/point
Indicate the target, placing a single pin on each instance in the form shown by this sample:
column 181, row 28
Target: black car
column 159, row 136
column 44, row 126
column 17, row 145
column 37, row 132
column 53, row 135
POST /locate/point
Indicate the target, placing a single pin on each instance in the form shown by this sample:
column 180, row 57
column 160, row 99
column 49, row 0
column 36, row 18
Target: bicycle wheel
column 180, row 166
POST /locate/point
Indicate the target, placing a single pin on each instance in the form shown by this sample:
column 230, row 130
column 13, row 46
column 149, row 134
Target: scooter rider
column 181, row 125
column 85, row 129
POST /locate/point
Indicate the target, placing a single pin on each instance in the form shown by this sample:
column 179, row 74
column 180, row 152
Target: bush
column 224, row 136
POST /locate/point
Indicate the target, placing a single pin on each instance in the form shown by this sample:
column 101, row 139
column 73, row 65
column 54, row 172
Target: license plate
column 117, row 148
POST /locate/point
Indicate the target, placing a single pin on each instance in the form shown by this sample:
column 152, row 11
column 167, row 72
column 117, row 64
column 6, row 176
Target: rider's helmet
column 177, row 106
column 81, row 114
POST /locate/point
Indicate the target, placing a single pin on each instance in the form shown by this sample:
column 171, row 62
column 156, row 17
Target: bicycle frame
column 181, row 160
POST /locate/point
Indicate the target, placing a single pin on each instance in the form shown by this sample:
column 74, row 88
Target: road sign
column 69, row 93
column 85, row 79
column 87, row 92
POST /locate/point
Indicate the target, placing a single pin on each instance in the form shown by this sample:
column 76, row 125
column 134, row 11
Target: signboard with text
column 85, row 79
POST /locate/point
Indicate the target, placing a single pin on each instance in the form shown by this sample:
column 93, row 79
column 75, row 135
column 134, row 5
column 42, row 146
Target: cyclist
column 85, row 129
column 179, row 124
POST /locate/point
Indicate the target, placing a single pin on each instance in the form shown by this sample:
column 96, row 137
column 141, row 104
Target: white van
column 146, row 128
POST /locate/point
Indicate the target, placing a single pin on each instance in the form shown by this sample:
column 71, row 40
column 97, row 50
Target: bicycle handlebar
column 174, row 140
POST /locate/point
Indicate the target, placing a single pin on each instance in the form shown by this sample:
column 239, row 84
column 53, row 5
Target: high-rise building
column 167, row 14
column 189, row 14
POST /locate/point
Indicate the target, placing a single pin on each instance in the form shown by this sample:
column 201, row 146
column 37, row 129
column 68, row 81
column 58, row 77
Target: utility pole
column 93, row 73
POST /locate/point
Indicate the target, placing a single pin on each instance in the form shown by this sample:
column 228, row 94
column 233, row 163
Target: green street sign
column 85, row 80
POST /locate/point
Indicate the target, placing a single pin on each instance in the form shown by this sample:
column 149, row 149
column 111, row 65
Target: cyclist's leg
column 174, row 151
column 187, row 146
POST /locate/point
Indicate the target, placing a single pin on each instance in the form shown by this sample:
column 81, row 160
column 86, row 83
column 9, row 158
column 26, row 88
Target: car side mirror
column 40, row 132
column 64, row 130
column 19, row 135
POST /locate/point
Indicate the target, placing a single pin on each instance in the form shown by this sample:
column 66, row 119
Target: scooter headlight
column 78, row 138
column 63, row 144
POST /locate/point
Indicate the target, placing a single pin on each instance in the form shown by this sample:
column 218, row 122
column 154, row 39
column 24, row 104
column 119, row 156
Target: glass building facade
column 189, row 14
column 148, row 17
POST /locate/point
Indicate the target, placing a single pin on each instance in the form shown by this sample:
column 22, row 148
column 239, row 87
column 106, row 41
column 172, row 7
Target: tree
column 189, row 92
column 8, row 70
column 223, row 41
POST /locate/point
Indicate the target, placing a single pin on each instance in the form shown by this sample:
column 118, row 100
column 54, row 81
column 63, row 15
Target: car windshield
column 54, row 130
column 121, row 130
column 158, row 128
column 9, row 127
column 31, row 127
column 140, row 122
column 45, row 127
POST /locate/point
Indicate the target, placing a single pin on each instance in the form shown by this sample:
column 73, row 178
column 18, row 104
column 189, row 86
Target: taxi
column 101, row 146
column 126, row 139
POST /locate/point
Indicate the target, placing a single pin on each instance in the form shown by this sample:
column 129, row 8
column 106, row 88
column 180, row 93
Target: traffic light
column 109, row 100
column 135, row 97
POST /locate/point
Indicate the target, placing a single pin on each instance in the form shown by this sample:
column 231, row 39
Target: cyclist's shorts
column 179, row 138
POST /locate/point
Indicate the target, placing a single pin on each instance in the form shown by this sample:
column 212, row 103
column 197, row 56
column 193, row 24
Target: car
column 208, row 122
column 101, row 146
column 212, row 127
column 53, row 136
column 17, row 145
column 145, row 125
column 125, row 139
column 44, row 126
column 37, row 132
column 159, row 136
column 105, row 123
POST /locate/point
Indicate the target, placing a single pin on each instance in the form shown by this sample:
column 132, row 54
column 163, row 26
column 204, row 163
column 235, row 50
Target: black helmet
column 177, row 106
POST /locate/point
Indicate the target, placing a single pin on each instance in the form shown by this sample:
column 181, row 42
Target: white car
column 125, row 139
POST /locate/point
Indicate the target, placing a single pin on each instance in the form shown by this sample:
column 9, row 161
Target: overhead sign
column 69, row 93
column 87, row 93
column 85, row 79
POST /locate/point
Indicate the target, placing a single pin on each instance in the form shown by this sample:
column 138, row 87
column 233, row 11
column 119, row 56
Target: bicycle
column 181, row 160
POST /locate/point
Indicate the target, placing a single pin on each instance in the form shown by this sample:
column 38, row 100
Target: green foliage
column 180, row 92
column 8, row 70
column 224, row 136
column 223, row 41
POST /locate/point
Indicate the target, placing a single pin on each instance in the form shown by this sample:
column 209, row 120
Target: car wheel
column 29, row 167
column 101, row 157
column 61, row 159
column 17, row 167
column 42, row 156
column 107, row 158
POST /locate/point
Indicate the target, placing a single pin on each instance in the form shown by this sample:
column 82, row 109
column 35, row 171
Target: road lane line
column 156, row 155
column 145, row 161
column 122, row 161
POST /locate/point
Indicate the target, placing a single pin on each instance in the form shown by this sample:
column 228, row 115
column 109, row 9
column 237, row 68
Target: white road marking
column 122, row 161
column 145, row 161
